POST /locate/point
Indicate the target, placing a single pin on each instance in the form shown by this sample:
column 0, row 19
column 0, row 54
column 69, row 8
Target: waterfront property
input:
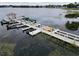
column 35, row 28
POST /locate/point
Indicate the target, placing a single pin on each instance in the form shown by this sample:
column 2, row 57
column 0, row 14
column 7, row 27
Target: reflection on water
column 35, row 45
column 46, row 16
column 31, row 45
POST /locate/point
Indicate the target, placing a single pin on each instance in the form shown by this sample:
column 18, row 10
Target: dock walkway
column 74, row 42
column 62, row 35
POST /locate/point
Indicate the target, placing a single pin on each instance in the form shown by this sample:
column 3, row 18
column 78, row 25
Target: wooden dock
column 74, row 42
column 66, row 39
column 62, row 35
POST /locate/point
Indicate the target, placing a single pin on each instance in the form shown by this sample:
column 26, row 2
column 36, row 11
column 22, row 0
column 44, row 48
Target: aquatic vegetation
column 6, row 49
column 40, row 44
column 55, row 53
column 72, row 15
column 72, row 26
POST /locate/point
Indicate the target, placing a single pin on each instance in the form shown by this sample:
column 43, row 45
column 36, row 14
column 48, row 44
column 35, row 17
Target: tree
column 71, row 5
column 64, row 5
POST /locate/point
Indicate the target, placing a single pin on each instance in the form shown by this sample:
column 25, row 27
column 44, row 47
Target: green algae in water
column 6, row 49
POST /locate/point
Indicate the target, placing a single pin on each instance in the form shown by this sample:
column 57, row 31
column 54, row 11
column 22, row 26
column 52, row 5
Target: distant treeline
column 70, row 5
column 27, row 6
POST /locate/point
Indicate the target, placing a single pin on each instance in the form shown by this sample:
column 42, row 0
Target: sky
column 39, row 0
column 32, row 3
column 35, row 2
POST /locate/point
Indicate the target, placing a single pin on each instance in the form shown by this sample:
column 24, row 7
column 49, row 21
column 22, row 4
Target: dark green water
column 18, row 43
column 15, row 42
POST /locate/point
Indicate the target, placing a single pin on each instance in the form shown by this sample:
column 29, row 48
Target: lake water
column 36, row 45
column 47, row 16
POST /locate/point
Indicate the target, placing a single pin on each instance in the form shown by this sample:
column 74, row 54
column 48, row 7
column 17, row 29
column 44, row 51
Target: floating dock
column 66, row 39
column 53, row 33
column 35, row 32
column 24, row 29
column 62, row 35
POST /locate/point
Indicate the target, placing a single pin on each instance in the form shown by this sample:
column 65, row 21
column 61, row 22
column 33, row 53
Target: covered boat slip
column 14, row 24
column 21, row 26
column 17, row 27
column 8, row 22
